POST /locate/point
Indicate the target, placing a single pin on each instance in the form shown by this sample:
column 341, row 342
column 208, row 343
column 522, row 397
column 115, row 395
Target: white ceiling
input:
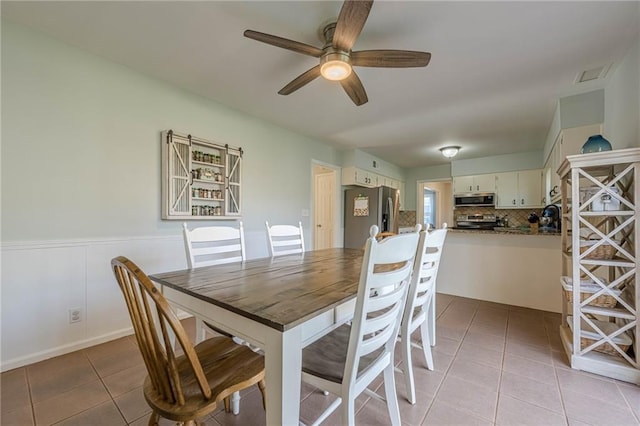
column 496, row 71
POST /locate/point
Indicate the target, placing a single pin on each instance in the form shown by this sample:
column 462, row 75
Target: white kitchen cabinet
column 355, row 176
column 517, row 190
column 478, row 183
column 387, row 181
column 600, row 246
column 200, row 179
column 568, row 142
column 360, row 177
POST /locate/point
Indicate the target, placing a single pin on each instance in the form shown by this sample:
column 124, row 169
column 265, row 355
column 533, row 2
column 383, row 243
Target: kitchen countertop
column 498, row 230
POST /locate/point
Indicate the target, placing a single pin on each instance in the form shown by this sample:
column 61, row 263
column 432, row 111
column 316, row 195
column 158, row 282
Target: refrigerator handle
column 392, row 219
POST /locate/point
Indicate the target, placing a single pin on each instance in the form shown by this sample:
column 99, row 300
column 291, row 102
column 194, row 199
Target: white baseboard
column 71, row 347
column 61, row 350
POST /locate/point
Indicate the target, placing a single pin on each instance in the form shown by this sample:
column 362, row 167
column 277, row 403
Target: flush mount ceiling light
column 450, row 151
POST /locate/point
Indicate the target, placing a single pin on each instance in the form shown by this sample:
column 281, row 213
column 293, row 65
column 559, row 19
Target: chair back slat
column 423, row 282
column 285, row 239
column 214, row 245
column 152, row 327
column 384, row 281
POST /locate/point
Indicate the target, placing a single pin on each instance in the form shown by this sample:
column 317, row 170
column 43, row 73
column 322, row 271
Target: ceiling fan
column 336, row 57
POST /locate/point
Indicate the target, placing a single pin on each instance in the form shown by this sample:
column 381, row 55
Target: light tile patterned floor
column 494, row 365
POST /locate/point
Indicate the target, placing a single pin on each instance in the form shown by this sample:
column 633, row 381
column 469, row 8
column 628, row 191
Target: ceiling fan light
column 450, row 151
column 335, row 70
column 335, row 65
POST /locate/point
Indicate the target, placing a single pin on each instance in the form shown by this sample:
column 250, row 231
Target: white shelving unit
column 200, row 179
column 600, row 234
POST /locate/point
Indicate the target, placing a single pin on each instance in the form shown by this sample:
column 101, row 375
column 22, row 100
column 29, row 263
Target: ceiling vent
column 592, row 74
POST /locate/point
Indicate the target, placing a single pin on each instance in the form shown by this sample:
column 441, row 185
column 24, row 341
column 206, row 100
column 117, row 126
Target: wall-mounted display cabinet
column 200, row 179
column 600, row 282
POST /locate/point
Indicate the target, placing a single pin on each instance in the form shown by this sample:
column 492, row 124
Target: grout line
column 32, row 405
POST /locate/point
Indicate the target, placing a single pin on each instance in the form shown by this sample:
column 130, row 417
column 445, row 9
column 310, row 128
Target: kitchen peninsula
column 521, row 269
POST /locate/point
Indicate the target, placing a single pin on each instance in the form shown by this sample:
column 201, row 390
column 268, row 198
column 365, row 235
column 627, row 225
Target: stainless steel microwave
column 475, row 199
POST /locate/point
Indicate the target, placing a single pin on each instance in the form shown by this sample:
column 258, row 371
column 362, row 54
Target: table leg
column 283, row 364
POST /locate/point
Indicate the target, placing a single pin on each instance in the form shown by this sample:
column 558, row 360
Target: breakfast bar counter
column 521, row 269
column 511, row 231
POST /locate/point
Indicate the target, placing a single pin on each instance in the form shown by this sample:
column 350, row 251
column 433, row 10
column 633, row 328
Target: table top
column 280, row 292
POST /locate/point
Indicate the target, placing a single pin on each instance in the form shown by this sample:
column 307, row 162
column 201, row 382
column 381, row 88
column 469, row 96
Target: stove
column 476, row 221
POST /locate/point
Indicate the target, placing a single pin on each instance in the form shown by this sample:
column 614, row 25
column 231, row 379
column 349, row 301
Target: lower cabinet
column 518, row 190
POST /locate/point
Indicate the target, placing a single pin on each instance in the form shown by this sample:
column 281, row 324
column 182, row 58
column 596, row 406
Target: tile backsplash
column 407, row 218
column 517, row 217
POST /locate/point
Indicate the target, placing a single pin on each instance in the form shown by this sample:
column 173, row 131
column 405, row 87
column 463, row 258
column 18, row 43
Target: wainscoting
column 43, row 280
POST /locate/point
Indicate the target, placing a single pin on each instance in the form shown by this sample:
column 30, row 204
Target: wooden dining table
column 279, row 304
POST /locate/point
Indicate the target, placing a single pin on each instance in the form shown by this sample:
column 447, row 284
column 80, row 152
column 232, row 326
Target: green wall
column 81, row 146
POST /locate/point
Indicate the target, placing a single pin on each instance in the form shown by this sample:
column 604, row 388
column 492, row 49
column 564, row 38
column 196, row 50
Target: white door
column 324, row 206
column 442, row 206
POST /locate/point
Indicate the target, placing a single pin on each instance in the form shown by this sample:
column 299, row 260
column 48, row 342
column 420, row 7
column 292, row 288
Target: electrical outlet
column 75, row 315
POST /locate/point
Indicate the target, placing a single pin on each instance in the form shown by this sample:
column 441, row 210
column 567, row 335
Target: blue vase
column 595, row 143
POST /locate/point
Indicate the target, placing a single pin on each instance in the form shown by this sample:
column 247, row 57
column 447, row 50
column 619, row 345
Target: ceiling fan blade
column 390, row 58
column 350, row 22
column 354, row 88
column 301, row 80
column 284, row 43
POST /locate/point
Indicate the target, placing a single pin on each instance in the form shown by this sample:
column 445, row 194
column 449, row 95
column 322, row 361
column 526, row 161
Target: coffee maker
column 550, row 219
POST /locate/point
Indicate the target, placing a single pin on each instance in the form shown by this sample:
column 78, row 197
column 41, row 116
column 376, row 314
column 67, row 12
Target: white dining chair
column 208, row 246
column 213, row 245
column 346, row 360
column 285, row 239
column 420, row 307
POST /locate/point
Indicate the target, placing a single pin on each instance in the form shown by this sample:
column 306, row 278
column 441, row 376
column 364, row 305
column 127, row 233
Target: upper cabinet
column 478, row 183
column 355, row 176
column 360, row 177
column 518, row 190
column 568, row 142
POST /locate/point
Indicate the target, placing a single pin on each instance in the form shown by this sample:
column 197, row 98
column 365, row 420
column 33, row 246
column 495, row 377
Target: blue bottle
column 595, row 143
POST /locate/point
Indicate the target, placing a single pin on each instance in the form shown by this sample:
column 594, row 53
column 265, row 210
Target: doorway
column 435, row 203
column 324, row 206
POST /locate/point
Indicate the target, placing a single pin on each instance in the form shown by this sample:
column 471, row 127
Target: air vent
column 592, row 74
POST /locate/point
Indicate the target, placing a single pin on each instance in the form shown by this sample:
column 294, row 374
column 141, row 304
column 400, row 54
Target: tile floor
column 494, row 365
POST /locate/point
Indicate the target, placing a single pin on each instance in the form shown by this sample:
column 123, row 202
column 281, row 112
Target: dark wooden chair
column 190, row 386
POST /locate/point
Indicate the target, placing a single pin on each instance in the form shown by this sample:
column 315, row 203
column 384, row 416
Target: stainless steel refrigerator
column 364, row 207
